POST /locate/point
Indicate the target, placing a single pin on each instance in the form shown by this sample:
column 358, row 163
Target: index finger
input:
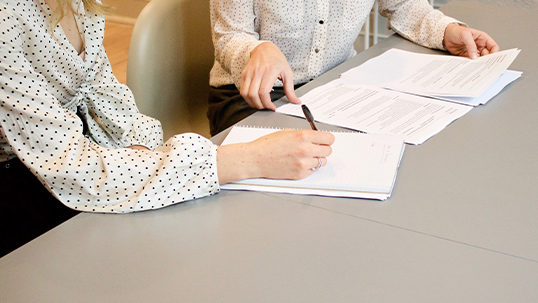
column 485, row 44
column 491, row 46
column 287, row 81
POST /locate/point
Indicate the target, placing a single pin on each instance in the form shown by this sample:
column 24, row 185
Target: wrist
column 447, row 29
column 261, row 46
column 237, row 162
column 450, row 27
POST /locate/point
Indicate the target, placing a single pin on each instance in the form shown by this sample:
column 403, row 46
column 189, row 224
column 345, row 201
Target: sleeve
column 417, row 21
column 234, row 35
column 83, row 175
column 109, row 100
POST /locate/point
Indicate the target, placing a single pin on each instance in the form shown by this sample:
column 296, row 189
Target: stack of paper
column 375, row 110
column 399, row 93
column 452, row 78
column 361, row 166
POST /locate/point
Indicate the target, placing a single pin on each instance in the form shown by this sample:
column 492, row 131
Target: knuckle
column 302, row 151
column 265, row 89
column 252, row 95
column 302, row 135
column 303, row 165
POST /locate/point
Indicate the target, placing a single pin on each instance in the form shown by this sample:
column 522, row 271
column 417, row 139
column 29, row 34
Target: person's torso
column 48, row 52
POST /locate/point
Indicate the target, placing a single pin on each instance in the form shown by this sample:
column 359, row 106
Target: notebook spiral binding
column 278, row 128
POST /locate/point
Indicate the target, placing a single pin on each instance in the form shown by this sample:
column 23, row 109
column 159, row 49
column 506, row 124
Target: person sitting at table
column 70, row 133
column 266, row 49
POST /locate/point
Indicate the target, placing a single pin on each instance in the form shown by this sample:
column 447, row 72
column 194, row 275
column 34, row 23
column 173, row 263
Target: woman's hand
column 468, row 42
column 286, row 154
column 265, row 66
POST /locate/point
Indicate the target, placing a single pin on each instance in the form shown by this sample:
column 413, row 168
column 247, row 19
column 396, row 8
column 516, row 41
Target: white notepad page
column 362, row 166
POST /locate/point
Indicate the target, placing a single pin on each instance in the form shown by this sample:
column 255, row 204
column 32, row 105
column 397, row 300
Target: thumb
column 467, row 39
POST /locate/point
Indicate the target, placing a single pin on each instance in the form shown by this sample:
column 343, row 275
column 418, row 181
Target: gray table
column 461, row 225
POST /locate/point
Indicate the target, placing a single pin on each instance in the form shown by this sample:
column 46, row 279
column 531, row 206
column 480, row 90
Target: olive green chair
column 170, row 56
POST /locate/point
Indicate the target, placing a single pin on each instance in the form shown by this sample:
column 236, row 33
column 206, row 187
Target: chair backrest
column 170, row 56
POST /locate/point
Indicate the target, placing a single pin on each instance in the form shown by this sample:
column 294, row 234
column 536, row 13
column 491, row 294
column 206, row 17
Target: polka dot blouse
column 70, row 121
column 314, row 35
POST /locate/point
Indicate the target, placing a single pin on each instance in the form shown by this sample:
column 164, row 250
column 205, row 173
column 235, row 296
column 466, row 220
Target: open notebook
column 361, row 166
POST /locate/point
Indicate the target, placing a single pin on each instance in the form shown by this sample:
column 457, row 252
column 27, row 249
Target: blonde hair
column 91, row 6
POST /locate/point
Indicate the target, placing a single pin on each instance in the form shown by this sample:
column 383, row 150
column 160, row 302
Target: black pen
column 309, row 117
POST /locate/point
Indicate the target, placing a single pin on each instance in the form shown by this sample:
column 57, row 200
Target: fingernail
column 474, row 56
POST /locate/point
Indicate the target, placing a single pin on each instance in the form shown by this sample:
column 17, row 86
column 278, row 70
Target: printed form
column 435, row 75
column 375, row 110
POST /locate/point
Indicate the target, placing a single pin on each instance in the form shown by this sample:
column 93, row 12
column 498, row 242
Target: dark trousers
column 226, row 106
column 27, row 209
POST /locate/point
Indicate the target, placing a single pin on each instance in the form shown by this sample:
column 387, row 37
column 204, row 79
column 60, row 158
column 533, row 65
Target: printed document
column 433, row 75
column 506, row 78
column 375, row 110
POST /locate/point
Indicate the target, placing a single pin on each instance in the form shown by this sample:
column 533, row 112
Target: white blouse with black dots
column 314, row 35
column 70, row 121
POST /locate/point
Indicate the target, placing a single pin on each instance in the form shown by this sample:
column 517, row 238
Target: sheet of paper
column 375, row 110
column 432, row 75
column 311, row 192
column 506, row 78
column 361, row 166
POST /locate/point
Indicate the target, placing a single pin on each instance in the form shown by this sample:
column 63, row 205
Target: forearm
column 88, row 177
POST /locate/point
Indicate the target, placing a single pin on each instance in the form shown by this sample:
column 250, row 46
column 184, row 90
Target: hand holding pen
column 310, row 118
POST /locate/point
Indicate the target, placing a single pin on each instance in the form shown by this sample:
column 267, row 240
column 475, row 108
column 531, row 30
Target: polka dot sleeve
column 234, row 36
column 85, row 176
column 49, row 137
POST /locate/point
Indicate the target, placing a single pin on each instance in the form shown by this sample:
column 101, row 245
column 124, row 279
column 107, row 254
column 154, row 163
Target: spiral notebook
column 361, row 166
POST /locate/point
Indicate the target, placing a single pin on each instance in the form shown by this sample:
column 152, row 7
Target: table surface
column 461, row 225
